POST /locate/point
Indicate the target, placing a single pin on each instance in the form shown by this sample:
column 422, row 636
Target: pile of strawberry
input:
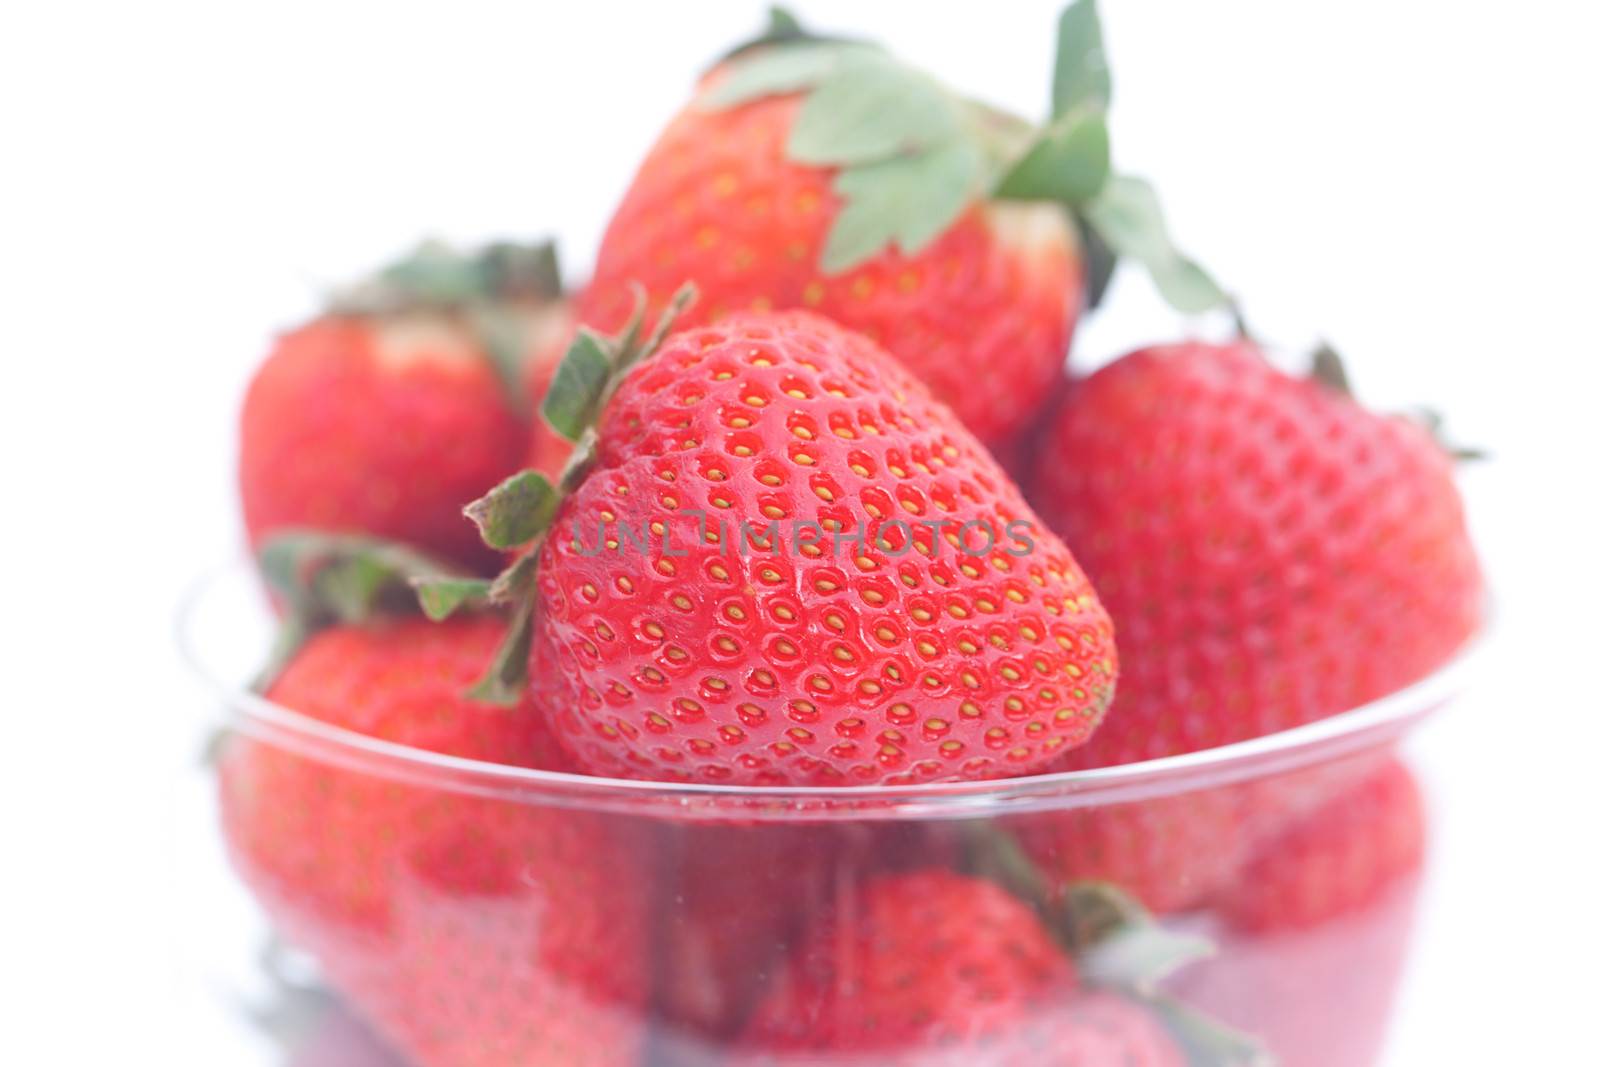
column 731, row 515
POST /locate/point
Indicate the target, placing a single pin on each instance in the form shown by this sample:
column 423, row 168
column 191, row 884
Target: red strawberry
column 1337, row 860
column 1272, row 552
column 390, row 412
column 469, row 930
column 825, row 175
column 813, row 658
column 739, row 895
column 910, row 964
column 1316, row 926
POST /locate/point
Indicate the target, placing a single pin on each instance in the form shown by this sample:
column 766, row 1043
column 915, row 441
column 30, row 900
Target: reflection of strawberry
column 462, row 926
column 865, row 645
column 1336, row 860
column 741, row 894
column 390, row 412
column 919, row 961
column 1315, row 927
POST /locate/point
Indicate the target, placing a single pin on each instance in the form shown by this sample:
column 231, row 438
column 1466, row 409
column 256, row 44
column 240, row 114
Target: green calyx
column 1328, row 368
column 912, row 156
column 517, row 513
column 1070, row 162
column 1115, row 945
column 489, row 288
column 437, row 276
column 326, row 579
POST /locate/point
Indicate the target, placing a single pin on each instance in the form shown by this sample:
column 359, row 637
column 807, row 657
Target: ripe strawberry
column 468, row 929
column 823, row 174
column 1272, row 552
column 740, row 894
column 909, row 964
column 1316, row 925
column 1338, row 859
column 856, row 639
column 390, row 412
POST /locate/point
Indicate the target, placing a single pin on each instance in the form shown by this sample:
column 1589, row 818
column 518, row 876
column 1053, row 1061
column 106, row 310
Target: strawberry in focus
column 790, row 564
column 457, row 924
column 398, row 406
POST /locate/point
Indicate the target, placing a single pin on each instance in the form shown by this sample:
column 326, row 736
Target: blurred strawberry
column 824, row 174
column 911, row 963
column 399, row 405
column 1316, row 926
column 468, row 929
column 1272, row 554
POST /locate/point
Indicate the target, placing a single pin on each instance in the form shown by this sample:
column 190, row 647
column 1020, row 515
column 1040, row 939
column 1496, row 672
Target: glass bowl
column 1249, row 903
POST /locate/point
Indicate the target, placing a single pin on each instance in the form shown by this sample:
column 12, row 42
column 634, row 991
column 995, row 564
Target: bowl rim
column 1342, row 734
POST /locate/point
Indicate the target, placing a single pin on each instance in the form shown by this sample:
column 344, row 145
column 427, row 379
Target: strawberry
column 389, row 412
column 759, row 574
column 1315, row 927
column 927, row 968
column 1272, row 552
column 824, row 174
column 740, row 894
column 468, row 929
column 914, row 962
column 1338, row 859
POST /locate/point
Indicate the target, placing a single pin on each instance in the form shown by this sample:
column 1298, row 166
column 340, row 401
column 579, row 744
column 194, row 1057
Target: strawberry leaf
column 516, row 511
column 1117, row 942
column 1082, row 76
column 777, row 71
column 325, row 578
column 507, row 675
column 1205, row 1041
column 574, row 395
column 1128, row 218
column 909, row 200
column 1069, row 162
column 870, row 110
column 441, row 597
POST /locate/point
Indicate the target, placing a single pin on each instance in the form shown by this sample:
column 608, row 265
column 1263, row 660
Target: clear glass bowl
column 480, row 914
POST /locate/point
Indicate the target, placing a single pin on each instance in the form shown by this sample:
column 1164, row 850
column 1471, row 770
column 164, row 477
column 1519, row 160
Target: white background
column 1413, row 180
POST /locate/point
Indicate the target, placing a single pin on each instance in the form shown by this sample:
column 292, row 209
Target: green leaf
column 868, row 111
column 776, row 71
column 1069, row 162
column 522, row 271
column 1128, row 218
column 508, row 674
column 515, row 511
column 1327, row 367
column 1100, row 263
column 909, row 200
column 1117, row 942
column 441, row 597
column 326, row 578
column 574, row 395
column 1207, row 1042
column 1186, row 286
column 1082, row 76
